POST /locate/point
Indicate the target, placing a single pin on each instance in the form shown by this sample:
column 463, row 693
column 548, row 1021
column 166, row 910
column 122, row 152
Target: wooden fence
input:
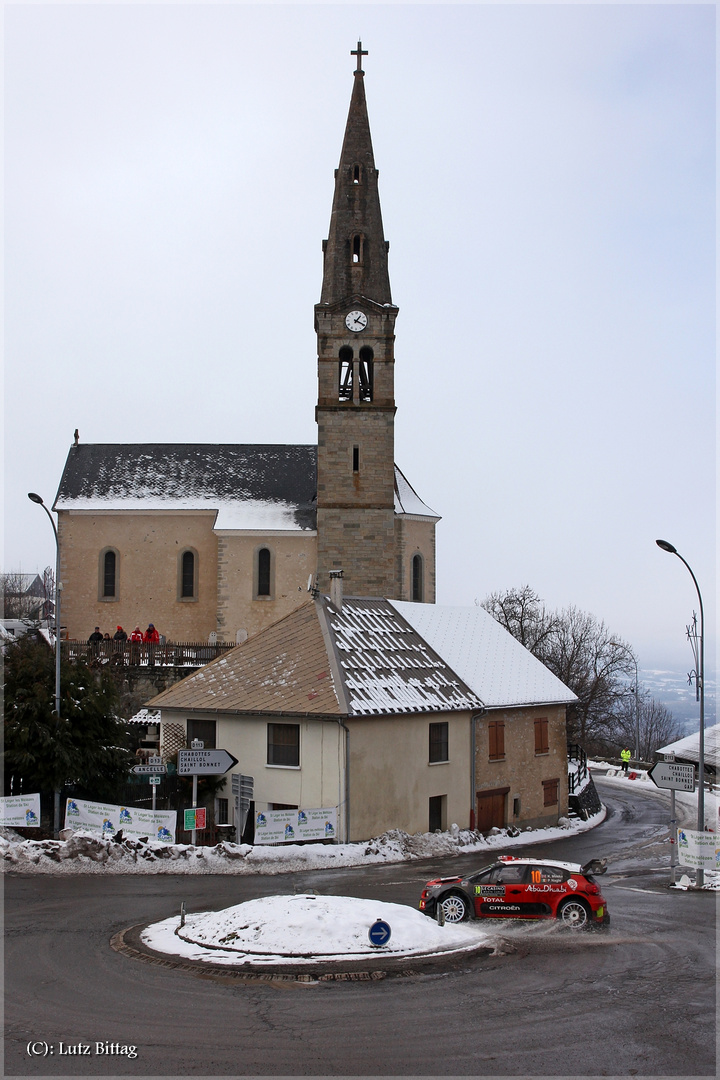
column 139, row 654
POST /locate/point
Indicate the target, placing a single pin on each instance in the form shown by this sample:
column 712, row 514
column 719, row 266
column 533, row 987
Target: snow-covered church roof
column 249, row 486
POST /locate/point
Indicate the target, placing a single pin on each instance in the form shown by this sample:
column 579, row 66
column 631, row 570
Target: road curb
column 127, row 942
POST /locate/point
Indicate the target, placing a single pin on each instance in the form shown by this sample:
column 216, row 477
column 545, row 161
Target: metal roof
column 497, row 668
column 688, row 748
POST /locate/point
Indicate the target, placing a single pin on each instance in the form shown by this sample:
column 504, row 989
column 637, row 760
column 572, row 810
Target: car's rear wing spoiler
column 595, row 866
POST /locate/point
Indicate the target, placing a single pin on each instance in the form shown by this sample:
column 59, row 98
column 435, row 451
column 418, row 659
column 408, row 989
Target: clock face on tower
column 356, row 321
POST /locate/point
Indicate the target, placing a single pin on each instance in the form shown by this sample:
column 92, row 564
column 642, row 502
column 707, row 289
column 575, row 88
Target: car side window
column 553, row 875
column 483, row 877
column 510, row 875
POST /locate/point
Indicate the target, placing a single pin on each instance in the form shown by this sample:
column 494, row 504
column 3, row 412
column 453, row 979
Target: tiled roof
column 387, row 667
column 283, row 669
column 382, row 664
column 491, row 661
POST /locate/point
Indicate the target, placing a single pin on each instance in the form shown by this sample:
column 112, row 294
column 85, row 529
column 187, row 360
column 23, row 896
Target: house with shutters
column 396, row 715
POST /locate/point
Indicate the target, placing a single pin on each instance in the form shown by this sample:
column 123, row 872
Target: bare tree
column 658, row 726
column 576, row 647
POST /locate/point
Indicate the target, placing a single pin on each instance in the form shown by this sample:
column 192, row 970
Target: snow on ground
column 304, row 929
column 86, row 853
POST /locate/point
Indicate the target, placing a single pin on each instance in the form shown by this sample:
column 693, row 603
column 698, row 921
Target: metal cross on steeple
column 359, row 52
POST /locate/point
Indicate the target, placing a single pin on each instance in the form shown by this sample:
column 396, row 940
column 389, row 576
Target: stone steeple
column 356, row 262
column 355, row 325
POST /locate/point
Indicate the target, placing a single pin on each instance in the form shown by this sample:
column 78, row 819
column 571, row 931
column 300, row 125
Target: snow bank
column 85, row 853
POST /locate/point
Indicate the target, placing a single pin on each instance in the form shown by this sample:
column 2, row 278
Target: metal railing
column 577, row 776
column 142, row 654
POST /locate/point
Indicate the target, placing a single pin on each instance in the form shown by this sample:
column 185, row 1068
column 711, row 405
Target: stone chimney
column 336, row 589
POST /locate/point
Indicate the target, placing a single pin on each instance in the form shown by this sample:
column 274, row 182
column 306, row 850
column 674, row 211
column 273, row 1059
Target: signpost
column 379, row 933
column 672, row 777
column 243, row 790
column 194, row 819
column 153, row 769
column 200, row 762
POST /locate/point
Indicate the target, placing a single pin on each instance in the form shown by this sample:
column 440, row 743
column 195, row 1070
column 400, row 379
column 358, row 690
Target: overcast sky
column 547, row 184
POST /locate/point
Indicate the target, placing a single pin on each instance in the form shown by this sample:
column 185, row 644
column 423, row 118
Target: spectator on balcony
column 135, row 639
column 94, row 641
column 120, row 635
column 151, row 639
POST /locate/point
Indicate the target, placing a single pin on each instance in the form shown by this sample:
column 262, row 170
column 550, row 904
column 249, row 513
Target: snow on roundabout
column 305, row 929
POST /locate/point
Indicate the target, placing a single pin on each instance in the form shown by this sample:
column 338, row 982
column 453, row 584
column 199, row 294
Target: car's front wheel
column 574, row 914
column 455, row 908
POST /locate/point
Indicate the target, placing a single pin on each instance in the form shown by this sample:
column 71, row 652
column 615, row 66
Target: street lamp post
column 56, row 801
column 700, row 677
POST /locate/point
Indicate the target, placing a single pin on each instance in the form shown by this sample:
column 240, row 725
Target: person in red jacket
column 135, row 637
column 151, row 639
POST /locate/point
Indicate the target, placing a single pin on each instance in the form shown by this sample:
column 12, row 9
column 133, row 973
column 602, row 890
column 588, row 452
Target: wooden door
column 491, row 809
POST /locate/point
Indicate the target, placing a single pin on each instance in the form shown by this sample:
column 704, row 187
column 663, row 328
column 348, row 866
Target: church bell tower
column 355, row 326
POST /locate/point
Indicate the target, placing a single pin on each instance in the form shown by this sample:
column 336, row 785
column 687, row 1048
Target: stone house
column 349, row 704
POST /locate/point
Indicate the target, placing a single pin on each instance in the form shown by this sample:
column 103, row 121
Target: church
column 218, row 542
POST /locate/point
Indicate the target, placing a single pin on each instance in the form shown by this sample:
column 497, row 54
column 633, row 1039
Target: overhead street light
column 56, row 800
column 700, row 685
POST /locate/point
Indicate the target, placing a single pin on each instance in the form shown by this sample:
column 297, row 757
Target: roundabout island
column 306, row 937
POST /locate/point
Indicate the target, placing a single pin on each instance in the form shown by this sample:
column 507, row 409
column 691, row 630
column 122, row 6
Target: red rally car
column 513, row 888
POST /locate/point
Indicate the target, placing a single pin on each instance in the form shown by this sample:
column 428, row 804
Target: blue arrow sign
column 379, row 933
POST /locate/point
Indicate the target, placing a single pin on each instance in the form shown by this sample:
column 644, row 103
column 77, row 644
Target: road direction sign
column 204, row 762
column 673, row 777
column 379, row 933
column 154, row 760
column 149, row 770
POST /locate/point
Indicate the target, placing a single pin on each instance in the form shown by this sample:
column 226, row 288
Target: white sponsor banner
column 698, row 849
column 20, row 811
column 291, row 826
column 106, row 819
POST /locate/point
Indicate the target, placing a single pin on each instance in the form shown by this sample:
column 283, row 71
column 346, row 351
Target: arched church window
column 108, row 583
column 357, row 246
column 417, row 578
column 346, row 374
column 365, row 373
column 263, row 572
column 187, row 575
column 356, row 174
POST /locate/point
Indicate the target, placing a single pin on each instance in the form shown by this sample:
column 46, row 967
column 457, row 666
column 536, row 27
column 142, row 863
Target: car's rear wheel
column 574, row 914
column 455, row 908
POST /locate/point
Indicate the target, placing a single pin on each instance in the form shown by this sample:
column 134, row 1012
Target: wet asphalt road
column 636, row 1000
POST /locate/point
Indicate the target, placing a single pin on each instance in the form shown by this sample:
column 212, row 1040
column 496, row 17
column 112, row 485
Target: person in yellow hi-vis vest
column 625, row 755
